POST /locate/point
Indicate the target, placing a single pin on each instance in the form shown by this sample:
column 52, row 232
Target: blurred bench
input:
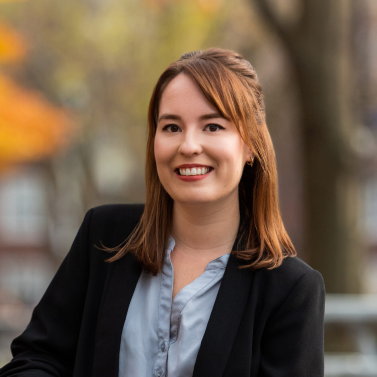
column 358, row 313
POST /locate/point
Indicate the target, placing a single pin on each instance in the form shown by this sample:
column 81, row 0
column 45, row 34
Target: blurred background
column 75, row 80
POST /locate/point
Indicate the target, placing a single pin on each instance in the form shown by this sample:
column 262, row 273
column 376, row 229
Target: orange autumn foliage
column 31, row 127
column 12, row 45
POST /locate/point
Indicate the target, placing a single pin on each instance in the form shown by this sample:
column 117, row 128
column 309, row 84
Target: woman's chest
column 162, row 335
column 187, row 268
column 185, row 272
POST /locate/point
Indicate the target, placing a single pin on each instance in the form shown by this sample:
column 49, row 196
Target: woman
column 207, row 282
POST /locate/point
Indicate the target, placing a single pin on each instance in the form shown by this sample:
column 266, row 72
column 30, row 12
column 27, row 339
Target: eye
column 214, row 127
column 171, row 128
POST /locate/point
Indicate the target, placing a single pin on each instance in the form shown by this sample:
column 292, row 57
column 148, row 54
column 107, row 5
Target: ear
column 249, row 155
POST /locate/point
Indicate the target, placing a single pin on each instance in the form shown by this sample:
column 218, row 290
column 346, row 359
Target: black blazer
column 264, row 323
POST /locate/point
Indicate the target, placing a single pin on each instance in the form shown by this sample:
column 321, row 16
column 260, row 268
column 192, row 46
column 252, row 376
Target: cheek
column 159, row 149
column 162, row 152
column 231, row 153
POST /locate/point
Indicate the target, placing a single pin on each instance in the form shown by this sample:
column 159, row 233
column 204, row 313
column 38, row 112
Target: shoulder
column 293, row 277
column 115, row 213
column 290, row 272
column 112, row 223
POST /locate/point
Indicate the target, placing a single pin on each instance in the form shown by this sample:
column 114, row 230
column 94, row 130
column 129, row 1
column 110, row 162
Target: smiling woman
column 200, row 137
column 207, row 109
column 207, row 282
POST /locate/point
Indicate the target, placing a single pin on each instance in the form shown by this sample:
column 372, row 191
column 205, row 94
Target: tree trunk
column 319, row 46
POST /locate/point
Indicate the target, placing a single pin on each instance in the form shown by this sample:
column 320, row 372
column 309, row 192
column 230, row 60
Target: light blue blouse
column 161, row 336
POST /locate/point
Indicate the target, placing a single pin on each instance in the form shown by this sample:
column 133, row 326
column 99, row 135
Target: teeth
column 194, row 171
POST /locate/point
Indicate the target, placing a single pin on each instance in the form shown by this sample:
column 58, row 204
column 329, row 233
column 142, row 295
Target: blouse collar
column 215, row 264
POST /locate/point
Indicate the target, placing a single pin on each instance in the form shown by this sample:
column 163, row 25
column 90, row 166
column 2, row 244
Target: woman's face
column 199, row 154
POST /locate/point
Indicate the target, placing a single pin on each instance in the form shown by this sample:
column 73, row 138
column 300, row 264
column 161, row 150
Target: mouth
column 193, row 170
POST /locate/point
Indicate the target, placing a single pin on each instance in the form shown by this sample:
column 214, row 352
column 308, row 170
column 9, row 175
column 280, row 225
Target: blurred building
column 26, row 264
column 366, row 63
column 42, row 205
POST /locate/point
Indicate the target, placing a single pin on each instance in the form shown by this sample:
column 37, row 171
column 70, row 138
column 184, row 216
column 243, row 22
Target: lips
column 189, row 166
column 193, row 174
column 192, row 169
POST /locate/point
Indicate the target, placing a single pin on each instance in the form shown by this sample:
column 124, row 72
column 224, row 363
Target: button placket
column 184, row 296
column 163, row 323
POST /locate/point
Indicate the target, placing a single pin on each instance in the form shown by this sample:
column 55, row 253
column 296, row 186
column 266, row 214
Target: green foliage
column 102, row 58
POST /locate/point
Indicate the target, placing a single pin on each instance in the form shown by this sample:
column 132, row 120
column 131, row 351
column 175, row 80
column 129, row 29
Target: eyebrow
column 177, row 117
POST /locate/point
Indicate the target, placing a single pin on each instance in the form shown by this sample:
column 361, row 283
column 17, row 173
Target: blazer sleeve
column 48, row 345
column 293, row 342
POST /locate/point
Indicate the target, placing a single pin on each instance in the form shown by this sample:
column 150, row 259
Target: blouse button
column 159, row 372
column 162, row 347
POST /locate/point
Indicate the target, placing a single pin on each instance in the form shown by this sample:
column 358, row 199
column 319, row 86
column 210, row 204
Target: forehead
column 183, row 94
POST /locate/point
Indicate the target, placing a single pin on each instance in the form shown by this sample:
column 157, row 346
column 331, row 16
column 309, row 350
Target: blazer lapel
column 123, row 282
column 224, row 321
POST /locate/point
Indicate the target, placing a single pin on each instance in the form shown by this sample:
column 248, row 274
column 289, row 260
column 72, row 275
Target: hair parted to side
column 230, row 83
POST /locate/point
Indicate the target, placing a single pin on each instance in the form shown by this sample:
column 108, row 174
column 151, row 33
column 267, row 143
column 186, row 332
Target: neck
column 206, row 229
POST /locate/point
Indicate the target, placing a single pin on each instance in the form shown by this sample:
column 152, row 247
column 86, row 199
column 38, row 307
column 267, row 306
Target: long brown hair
column 230, row 84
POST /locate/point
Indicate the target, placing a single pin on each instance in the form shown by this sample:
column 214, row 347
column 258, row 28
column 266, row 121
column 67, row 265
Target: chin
column 194, row 199
column 193, row 202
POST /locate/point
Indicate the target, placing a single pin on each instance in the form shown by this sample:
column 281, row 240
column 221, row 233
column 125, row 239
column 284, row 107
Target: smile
column 189, row 173
column 194, row 171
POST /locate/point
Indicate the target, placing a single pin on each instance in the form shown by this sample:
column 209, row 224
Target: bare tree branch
column 271, row 17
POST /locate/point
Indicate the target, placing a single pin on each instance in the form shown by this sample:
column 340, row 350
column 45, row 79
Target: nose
column 190, row 143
